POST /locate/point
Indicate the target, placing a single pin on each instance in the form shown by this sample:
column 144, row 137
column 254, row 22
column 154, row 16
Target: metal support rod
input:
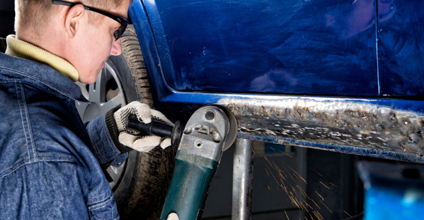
column 242, row 180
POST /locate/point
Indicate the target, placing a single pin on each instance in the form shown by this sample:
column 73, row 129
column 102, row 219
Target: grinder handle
column 156, row 128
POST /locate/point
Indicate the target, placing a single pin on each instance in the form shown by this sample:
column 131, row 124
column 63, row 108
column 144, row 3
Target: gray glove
column 117, row 125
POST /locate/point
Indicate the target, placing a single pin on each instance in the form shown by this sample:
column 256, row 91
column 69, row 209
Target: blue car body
column 338, row 75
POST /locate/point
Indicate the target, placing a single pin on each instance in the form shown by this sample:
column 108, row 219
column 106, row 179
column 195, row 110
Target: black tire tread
column 153, row 170
column 134, row 58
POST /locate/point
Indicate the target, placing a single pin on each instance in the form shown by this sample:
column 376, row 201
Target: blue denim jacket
column 49, row 159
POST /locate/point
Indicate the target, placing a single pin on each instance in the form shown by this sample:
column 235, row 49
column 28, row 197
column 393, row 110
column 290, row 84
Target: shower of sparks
column 297, row 196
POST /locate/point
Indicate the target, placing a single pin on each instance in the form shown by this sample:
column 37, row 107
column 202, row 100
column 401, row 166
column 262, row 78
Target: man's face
column 97, row 43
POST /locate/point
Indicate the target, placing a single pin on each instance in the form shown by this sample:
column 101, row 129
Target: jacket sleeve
column 102, row 144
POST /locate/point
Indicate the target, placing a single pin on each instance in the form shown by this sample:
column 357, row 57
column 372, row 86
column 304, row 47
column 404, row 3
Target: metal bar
column 242, row 180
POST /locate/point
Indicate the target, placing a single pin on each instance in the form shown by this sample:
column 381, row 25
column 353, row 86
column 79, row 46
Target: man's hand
column 132, row 138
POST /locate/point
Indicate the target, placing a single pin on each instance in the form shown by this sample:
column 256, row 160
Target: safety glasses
column 117, row 34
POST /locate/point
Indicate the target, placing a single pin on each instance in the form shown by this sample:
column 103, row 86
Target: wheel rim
column 105, row 94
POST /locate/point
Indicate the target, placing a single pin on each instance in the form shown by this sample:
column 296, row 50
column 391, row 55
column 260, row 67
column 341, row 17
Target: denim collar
column 28, row 51
column 35, row 73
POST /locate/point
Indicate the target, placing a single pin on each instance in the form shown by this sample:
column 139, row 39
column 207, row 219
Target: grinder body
column 209, row 131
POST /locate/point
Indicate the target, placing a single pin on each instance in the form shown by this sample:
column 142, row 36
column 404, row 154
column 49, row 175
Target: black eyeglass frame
column 117, row 34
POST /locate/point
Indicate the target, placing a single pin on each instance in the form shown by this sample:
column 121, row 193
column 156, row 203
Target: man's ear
column 74, row 18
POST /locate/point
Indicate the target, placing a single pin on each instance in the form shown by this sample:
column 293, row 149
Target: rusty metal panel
column 340, row 125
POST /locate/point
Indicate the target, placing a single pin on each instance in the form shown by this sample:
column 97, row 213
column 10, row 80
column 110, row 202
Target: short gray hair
column 36, row 14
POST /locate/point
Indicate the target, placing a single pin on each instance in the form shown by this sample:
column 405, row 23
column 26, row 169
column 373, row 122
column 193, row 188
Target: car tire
column 142, row 191
column 141, row 183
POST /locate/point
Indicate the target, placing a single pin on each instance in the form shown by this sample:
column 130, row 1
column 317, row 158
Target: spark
column 266, row 170
column 347, row 213
column 294, row 190
column 326, row 207
column 308, row 206
column 286, row 215
column 302, row 191
column 324, row 185
column 320, row 196
column 294, row 201
column 287, row 154
column 332, row 184
column 315, row 203
column 316, row 172
column 305, row 206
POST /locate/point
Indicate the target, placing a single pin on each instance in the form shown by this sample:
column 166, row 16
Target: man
column 50, row 160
